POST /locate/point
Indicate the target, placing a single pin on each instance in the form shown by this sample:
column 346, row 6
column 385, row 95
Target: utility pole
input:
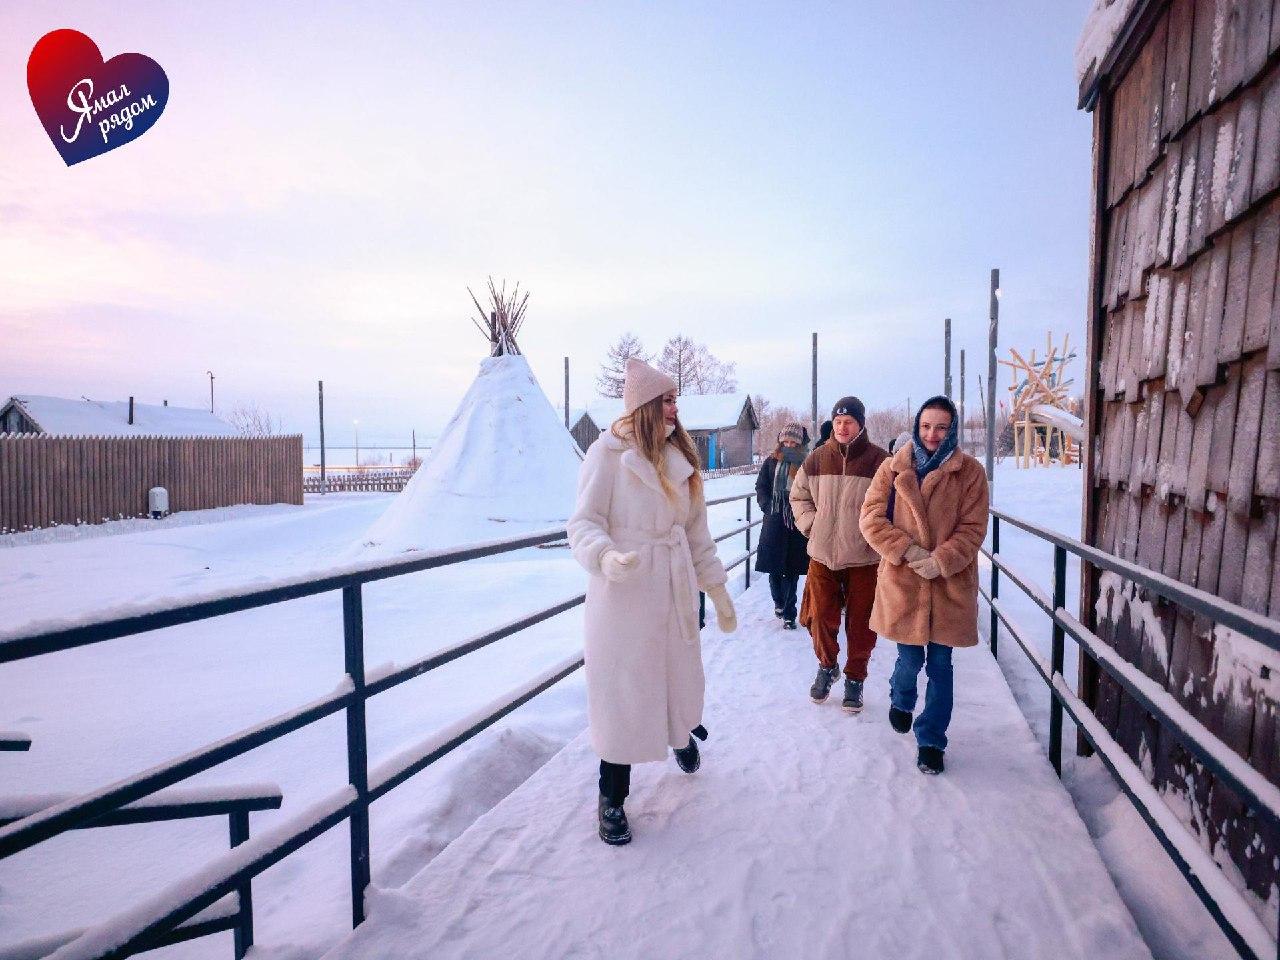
column 210, row 372
column 414, row 435
column 356, row 423
column 991, row 374
column 566, row 393
column 324, row 488
column 946, row 364
column 962, row 399
column 815, row 386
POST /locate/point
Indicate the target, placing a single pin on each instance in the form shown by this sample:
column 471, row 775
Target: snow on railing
column 1241, row 925
column 176, row 911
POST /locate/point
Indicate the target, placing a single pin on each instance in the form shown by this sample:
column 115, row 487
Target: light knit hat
column 792, row 431
column 642, row 384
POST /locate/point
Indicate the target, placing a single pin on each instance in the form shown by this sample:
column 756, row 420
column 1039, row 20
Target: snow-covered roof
column 711, row 411
column 110, row 418
column 1102, row 28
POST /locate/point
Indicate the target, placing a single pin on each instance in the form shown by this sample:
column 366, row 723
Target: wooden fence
column 384, row 481
column 49, row 481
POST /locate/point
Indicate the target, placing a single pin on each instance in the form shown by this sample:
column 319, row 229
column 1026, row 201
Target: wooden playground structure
column 1044, row 428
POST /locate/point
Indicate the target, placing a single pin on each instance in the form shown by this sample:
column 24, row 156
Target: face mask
column 792, row 455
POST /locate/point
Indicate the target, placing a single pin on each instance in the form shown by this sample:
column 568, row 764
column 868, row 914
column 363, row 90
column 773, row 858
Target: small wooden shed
column 1183, row 398
column 722, row 425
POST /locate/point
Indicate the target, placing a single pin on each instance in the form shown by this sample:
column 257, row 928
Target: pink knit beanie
column 642, row 384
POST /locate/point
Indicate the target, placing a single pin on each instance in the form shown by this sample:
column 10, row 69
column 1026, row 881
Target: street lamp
column 210, row 373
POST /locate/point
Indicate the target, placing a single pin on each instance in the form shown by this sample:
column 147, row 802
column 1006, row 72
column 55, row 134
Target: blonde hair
column 646, row 427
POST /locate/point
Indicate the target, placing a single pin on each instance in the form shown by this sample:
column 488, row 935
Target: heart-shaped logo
column 89, row 107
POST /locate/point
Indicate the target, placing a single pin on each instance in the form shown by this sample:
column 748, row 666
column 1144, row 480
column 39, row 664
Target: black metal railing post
column 995, row 583
column 702, row 609
column 243, row 931
column 748, row 563
column 357, row 749
column 1057, row 656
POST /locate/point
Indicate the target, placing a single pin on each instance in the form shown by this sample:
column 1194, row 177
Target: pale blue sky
column 328, row 178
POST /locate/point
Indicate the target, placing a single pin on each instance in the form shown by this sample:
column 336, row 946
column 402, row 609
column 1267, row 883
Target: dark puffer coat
column 781, row 550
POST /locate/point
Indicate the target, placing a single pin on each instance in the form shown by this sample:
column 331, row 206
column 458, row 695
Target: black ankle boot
column 688, row 758
column 614, row 829
column 929, row 760
column 900, row 720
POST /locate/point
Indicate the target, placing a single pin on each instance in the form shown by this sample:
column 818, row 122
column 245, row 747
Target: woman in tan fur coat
column 926, row 515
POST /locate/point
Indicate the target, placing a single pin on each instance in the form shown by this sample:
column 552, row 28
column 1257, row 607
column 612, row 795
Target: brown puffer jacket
column 947, row 517
column 826, row 498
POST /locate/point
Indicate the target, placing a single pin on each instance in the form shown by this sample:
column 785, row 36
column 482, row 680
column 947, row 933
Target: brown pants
column 826, row 593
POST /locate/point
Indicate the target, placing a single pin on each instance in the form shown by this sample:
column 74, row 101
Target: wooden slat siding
column 1211, row 322
column 1138, row 450
column 1177, row 64
column 1266, row 480
column 1236, row 294
column 1153, row 98
column 1201, row 55
column 1224, row 161
column 1261, row 282
column 1240, row 176
column 1155, row 327
column 1155, row 428
column 1146, row 232
column 1266, row 157
column 1183, row 371
column 1201, row 446
column 1201, row 196
column 1227, row 422
column 1256, row 28
column 1235, row 49
column 6, row 484
column 1133, row 358
column 1224, row 145
column 1186, row 197
column 1170, row 171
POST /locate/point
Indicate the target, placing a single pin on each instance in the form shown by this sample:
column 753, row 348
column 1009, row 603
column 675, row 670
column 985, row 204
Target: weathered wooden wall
column 1185, row 394
column 48, row 480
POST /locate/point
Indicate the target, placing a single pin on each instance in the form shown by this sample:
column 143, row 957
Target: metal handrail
column 1238, row 922
column 232, row 872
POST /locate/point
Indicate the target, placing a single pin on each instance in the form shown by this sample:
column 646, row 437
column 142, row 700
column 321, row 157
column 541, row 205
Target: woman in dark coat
column 784, row 550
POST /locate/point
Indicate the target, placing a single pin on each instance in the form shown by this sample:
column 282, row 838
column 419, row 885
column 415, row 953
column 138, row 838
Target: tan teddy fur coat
column 948, row 517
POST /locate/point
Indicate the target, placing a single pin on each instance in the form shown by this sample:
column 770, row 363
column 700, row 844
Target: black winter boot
column 821, row 688
column 788, row 624
column 688, row 758
column 929, row 760
column 852, row 696
column 900, row 720
column 614, row 829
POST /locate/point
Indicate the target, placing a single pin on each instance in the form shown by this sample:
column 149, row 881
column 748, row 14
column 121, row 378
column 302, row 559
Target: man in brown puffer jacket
column 826, row 498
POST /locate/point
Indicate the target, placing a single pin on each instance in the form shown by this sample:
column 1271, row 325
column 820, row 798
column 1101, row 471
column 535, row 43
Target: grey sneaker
column 821, row 688
column 852, row 696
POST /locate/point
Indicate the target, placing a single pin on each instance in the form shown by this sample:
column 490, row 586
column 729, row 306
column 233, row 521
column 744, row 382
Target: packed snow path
column 807, row 833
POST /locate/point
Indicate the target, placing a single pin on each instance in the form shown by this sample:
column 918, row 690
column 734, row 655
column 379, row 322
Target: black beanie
column 850, row 407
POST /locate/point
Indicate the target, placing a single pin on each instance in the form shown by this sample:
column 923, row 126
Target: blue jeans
column 931, row 725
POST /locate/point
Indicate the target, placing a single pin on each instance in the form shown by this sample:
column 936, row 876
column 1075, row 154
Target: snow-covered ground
column 102, row 712
column 1171, row 917
column 105, row 711
column 806, row 833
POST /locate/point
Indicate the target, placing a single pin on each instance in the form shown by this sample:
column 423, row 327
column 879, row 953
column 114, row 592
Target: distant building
column 722, row 425
column 59, row 416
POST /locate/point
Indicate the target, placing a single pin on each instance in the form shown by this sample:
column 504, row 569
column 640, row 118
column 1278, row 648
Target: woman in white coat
column 640, row 530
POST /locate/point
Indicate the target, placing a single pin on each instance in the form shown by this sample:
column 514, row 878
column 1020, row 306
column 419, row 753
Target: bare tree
column 252, row 420
column 613, row 370
column 884, row 425
column 694, row 368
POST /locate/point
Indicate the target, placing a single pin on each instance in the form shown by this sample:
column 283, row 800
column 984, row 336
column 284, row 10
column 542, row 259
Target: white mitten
column 726, row 616
column 618, row 567
column 915, row 552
